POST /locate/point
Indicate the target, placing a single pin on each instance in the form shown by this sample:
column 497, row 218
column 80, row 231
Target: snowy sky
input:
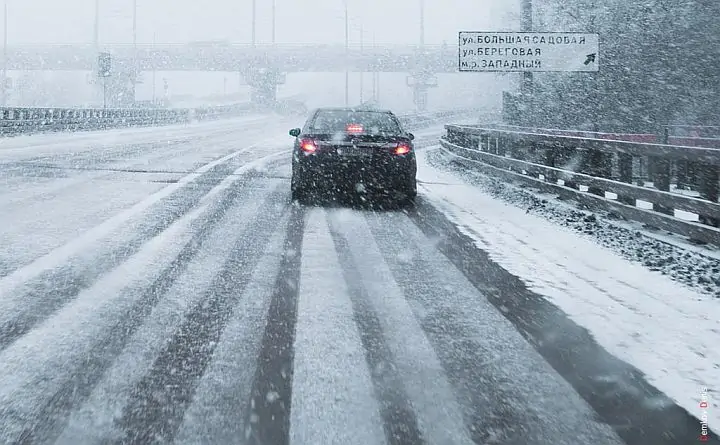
column 298, row 21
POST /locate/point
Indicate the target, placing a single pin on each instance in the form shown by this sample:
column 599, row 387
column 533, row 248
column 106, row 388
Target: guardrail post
column 709, row 182
column 681, row 174
column 459, row 138
column 601, row 164
column 661, row 174
column 500, row 146
column 484, row 142
column 693, row 175
column 625, row 170
column 683, row 168
column 550, row 158
column 661, row 181
column 516, row 148
column 596, row 163
column 625, row 167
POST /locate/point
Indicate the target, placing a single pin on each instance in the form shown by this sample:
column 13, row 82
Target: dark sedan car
column 360, row 149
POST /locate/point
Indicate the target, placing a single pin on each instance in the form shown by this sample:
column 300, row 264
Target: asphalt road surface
column 164, row 289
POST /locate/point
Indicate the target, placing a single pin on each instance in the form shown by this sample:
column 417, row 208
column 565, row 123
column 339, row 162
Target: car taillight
column 308, row 146
column 402, row 149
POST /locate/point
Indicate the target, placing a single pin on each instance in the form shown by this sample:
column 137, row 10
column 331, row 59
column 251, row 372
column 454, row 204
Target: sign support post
column 526, row 85
column 5, row 56
column 104, row 71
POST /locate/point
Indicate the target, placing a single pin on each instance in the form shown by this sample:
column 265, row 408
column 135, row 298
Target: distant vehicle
column 365, row 150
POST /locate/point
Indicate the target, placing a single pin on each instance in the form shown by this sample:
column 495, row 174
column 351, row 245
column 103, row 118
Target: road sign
column 429, row 81
column 104, row 64
column 528, row 51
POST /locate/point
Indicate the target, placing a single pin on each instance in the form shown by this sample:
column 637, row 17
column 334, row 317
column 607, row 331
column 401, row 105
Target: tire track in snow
column 54, row 288
column 77, row 173
column 399, row 419
column 508, row 392
column 268, row 420
column 130, row 156
column 158, row 402
column 221, row 396
column 638, row 412
column 331, row 380
column 39, row 364
column 53, row 417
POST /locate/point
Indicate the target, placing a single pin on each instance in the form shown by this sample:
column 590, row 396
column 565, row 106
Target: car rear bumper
column 392, row 171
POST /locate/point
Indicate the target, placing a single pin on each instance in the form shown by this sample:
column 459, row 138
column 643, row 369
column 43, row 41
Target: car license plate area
column 354, row 152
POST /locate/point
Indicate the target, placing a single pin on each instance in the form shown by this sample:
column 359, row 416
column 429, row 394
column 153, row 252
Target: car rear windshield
column 371, row 122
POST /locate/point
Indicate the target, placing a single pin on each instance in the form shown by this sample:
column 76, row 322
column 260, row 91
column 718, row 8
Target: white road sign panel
column 528, row 51
column 104, row 64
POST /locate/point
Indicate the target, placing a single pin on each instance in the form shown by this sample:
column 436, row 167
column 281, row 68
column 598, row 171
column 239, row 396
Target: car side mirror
column 411, row 136
column 295, row 132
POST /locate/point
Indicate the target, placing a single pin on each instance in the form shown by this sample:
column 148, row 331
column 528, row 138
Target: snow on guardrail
column 640, row 181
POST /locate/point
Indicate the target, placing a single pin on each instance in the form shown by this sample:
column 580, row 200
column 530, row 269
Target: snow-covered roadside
column 52, row 144
column 662, row 327
column 694, row 266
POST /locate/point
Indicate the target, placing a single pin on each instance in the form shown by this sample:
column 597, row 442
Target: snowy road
column 163, row 289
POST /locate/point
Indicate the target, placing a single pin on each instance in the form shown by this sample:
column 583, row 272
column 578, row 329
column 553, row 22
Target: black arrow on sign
column 590, row 59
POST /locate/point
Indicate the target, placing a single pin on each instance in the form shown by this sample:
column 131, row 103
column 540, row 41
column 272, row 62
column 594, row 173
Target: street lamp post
column 135, row 23
column 96, row 32
column 96, row 47
column 254, row 20
column 376, row 75
column 347, row 55
column 422, row 23
column 5, row 55
column 361, row 69
column 135, row 57
column 526, row 86
column 527, row 26
column 273, row 21
column 154, row 72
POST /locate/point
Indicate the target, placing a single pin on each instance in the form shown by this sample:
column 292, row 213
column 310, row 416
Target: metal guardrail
column 29, row 120
column 16, row 121
column 685, row 135
column 702, row 131
column 221, row 111
column 430, row 118
column 563, row 164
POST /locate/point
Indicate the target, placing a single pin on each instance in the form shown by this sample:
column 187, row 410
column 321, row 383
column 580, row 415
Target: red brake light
column 308, row 146
column 354, row 128
column 402, row 149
